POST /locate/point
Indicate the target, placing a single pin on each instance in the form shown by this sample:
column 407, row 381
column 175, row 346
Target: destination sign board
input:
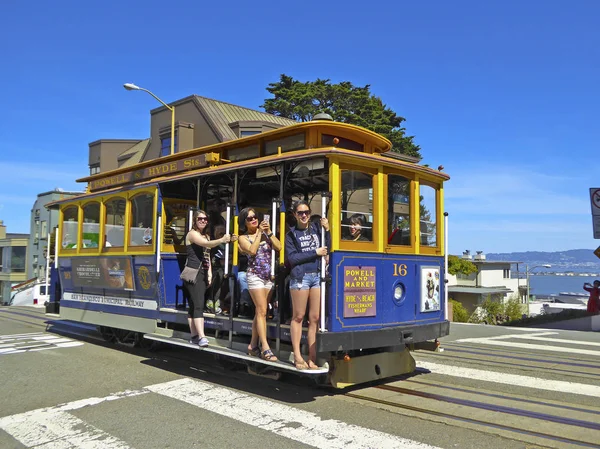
column 153, row 171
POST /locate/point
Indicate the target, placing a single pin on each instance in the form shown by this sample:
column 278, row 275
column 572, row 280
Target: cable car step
column 280, row 365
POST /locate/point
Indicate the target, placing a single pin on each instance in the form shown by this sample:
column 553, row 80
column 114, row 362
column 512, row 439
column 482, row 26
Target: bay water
column 553, row 285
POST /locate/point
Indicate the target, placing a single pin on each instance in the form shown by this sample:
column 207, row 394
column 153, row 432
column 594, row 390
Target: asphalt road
column 63, row 387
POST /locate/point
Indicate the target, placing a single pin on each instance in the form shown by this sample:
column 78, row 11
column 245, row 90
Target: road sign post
column 595, row 204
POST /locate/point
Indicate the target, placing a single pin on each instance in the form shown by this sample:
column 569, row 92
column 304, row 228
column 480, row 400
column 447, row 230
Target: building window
column 35, row 260
column 248, row 133
column 44, row 233
column 506, row 273
column 17, row 260
column 94, row 169
column 165, row 145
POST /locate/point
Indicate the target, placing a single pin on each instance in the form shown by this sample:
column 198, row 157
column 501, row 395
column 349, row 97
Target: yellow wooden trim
column 79, row 228
column 236, row 230
column 415, row 215
column 379, row 196
column 127, row 224
column 282, row 237
column 335, row 183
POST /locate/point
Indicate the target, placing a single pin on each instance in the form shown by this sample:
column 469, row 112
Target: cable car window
column 357, row 203
column 141, row 228
column 398, row 210
column 327, row 140
column 70, row 227
column 289, row 143
column 115, row 223
column 90, row 237
column 428, row 215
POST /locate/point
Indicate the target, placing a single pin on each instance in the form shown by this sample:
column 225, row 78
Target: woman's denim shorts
column 310, row 280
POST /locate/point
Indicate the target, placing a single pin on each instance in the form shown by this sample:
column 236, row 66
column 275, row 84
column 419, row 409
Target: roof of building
column 135, row 154
column 220, row 115
column 483, row 262
column 10, row 235
column 477, row 290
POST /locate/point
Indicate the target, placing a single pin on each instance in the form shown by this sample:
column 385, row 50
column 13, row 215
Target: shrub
column 492, row 311
column 459, row 313
column 513, row 309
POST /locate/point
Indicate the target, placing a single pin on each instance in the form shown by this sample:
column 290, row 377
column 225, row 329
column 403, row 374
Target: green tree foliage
column 513, row 309
column 344, row 102
column 459, row 265
column 459, row 313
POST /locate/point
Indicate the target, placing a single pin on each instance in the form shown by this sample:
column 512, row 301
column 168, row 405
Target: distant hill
column 577, row 260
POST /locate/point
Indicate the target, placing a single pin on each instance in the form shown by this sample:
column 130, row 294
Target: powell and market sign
column 166, row 168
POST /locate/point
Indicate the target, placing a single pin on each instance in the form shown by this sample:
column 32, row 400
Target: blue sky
column 504, row 94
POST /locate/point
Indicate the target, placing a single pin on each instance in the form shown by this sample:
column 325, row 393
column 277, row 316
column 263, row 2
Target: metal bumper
column 380, row 338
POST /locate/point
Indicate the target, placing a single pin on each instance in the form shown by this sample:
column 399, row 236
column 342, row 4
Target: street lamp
column 527, row 271
column 131, row 86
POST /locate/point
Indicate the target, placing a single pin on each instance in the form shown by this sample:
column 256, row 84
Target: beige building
column 13, row 261
column 199, row 121
column 492, row 280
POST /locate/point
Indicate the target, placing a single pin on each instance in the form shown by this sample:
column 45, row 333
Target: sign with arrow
column 595, row 203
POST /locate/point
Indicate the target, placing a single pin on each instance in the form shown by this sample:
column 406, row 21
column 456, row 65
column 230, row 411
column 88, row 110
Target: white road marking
column 558, row 340
column 512, row 379
column 298, row 425
column 60, row 430
column 55, row 428
column 510, row 344
column 38, row 341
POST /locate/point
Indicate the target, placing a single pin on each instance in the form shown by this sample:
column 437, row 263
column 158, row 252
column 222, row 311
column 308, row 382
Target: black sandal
column 255, row 352
column 267, row 354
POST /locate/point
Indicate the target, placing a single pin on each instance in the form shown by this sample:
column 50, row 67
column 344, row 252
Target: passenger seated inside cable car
column 358, row 228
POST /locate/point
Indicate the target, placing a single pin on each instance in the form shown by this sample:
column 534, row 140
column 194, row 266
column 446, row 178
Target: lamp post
column 527, row 271
column 131, row 86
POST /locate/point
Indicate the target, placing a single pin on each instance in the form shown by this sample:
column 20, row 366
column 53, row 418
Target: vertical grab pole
column 446, row 266
column 158, row 242
column 227, row 227
column 55, row 249
column 274, row 227
column 322, row 312
column 47, row 280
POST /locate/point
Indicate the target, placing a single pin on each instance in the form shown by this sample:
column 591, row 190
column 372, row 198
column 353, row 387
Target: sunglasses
column 202, row 218
column 251, row 218
column 303, row 213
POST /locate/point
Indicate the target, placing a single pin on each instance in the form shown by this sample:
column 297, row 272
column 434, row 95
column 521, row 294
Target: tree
column 344, row 102
column 459, row 265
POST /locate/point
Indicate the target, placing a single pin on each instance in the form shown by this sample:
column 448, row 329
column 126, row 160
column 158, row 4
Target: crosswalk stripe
column 283, row 420
column 53, row 429
column 38, row 341
column 511, row 344
column 511, row 379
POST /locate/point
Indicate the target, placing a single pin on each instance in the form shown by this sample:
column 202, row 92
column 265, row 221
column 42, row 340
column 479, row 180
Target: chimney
column 479, row 255
column 467, row 255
